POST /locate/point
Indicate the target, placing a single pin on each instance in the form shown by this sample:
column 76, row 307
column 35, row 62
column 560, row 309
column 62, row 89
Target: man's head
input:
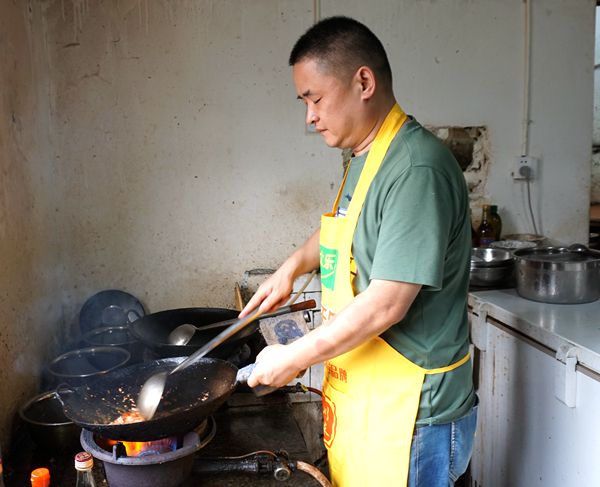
column 340, row 45
column 342, row 74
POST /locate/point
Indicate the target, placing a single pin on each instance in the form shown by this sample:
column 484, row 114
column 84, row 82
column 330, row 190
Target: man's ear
column 365, row 79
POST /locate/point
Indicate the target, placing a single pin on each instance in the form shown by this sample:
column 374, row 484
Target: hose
column 314, row 472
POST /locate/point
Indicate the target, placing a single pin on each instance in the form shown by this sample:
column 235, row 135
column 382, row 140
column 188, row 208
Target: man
column 394, row 256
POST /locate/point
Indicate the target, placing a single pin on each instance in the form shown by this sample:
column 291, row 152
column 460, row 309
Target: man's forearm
column 372, row 312
column 305, row 259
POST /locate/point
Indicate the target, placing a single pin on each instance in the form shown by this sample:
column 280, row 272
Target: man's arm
column 275, row 291
column 370, row 313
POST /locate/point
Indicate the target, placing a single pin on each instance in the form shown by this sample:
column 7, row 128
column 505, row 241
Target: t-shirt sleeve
column 415, row 229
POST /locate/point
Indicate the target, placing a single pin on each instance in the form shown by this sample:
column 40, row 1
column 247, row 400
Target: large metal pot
column 558, row 275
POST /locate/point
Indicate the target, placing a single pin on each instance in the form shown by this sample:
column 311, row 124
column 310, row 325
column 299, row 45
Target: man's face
column 332, row 104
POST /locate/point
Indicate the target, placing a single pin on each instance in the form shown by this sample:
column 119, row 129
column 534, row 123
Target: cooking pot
column 561, row 275
column 116, row 336
column 48, row 425
column 80, row 366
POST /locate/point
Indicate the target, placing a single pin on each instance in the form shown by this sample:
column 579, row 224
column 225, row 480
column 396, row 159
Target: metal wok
column 190, row 396
column 153, row 331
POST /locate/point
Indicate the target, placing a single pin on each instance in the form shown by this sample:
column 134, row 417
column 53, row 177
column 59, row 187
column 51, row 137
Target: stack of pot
column 491, row 267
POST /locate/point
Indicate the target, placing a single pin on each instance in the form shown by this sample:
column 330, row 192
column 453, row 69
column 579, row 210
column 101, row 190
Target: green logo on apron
column 328, row 259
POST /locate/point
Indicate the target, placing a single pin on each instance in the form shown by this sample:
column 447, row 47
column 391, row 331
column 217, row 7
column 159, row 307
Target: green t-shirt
column 414, row 227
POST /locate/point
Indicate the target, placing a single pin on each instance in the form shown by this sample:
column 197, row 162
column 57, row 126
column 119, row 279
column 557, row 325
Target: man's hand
column 272, row 293
column 274, row 367
column 276, row 290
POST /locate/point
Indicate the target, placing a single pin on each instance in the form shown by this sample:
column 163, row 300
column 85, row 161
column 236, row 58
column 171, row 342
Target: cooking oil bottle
column 486, row 232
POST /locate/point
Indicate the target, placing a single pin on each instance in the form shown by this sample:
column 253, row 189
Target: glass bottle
column 485, row 232
column 40, row 477
column 474, row 236
column 83, row 464
column 496, row 222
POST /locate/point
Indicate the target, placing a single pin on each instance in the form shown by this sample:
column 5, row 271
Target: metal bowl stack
column 491, row 267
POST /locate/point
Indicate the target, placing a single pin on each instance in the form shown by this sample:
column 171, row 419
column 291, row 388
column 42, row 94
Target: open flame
column 145, row 448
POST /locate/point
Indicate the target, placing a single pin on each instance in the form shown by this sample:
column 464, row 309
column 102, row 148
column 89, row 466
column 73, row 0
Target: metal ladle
column 152, row 390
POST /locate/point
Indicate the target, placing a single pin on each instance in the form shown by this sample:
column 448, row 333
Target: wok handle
column 61, row 391
column 234, row 328
column 260, row 390
column 308, row 304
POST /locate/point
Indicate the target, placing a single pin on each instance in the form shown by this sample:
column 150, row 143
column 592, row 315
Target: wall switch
column 526, row 167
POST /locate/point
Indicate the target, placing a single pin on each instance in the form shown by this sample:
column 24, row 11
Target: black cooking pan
column 153, row 331
column 190, row 396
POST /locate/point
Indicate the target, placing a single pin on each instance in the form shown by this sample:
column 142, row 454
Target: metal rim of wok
column 190, row 396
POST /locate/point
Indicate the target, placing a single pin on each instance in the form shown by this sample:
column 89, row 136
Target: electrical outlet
column 526, row 167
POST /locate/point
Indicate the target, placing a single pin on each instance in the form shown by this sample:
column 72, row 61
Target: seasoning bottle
column 83, row 464
column 474, row 236
column 485, row 232
column 40, row 477
column 1, row 471
column 496, row 222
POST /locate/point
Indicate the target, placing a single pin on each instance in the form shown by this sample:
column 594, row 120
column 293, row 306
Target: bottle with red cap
column 40, row 477
column 83, row 464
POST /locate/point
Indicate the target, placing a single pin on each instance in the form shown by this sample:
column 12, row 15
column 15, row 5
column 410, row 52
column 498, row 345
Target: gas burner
column 162, row 463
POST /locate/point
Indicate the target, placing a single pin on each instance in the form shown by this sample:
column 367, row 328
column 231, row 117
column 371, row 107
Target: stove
column 242, row 444
column 162, row 463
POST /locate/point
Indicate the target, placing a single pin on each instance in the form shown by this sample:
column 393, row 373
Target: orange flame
column 137, row 448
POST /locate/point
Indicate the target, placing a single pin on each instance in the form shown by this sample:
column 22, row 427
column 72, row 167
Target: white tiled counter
column 538, row 375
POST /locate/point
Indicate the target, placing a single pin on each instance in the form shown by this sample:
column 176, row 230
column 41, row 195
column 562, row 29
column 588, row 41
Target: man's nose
column 311, row 117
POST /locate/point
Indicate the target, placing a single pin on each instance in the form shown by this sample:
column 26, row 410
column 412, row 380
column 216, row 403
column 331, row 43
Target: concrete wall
column 32, row 290
column 157, row 147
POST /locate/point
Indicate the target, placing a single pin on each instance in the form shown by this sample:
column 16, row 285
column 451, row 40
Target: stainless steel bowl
column 558, row 275
column 491, row 267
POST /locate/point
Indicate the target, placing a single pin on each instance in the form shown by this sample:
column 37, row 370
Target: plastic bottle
column 486, row 232
column 40, row 477
column 83, row 464
column 496, row 222
column 1, row 471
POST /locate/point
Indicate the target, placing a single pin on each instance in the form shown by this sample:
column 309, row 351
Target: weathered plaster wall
column 183, row 155
column 32, row 292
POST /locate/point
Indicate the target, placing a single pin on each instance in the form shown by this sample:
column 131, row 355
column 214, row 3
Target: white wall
column 165, row 153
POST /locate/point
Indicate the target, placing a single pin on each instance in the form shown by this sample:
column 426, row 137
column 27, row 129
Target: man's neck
column 381, row 114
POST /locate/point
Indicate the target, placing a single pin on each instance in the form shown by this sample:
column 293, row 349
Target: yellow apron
column 370, row 394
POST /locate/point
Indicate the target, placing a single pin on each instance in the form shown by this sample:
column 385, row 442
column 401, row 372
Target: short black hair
column 342, row 45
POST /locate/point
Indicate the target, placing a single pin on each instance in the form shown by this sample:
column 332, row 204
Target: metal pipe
column 314, row 472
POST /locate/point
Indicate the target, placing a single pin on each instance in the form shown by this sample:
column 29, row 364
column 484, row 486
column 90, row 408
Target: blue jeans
column 440, row 453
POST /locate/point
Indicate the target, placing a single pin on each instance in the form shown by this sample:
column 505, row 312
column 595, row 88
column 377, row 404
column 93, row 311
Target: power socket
column 526, row 167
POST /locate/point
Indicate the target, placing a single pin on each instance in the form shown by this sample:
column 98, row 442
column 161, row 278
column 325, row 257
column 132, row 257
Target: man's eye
column 317, row 101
